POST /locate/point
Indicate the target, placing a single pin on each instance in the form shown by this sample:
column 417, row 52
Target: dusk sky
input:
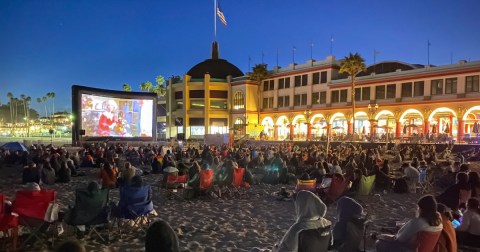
column 48, row 46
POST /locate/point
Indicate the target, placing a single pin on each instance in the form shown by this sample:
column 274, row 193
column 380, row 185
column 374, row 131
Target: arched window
column 238, row 100
column 239, row 121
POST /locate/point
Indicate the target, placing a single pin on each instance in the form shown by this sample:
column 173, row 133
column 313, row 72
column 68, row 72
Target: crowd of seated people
column 118, row 166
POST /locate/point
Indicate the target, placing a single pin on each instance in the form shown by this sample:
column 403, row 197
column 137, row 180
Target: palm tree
column 126, row 87
column 160, row 87
column 352, row 65
column 44, row 99
column 259, row 73
column 26, row 104
column 51, row 95
column 10, row 97
column 146, row 86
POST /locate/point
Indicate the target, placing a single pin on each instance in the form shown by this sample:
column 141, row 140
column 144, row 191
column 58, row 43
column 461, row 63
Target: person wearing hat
column 428, row 219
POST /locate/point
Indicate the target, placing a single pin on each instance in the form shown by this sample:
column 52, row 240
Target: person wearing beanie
column 427, row 220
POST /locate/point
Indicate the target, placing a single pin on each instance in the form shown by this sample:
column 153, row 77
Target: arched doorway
column 362, row 124
column 385, row 125
column 268, row 128
column 443, row 122
column 471, row 116
column 239, row 128
column 300, row 127
column 283, row 130
column 319, row 126
column 339, row 125
column 411, row 124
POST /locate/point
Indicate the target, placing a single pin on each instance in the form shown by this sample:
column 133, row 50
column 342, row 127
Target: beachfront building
column 310, row 101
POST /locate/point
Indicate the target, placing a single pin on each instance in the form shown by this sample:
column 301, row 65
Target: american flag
column 221, row 16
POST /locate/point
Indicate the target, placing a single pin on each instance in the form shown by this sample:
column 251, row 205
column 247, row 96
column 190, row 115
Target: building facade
column 312, row 100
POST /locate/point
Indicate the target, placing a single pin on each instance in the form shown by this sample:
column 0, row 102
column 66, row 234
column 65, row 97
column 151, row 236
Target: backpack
column 400, row 186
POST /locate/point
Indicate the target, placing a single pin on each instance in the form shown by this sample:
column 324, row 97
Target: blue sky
column 47, row 46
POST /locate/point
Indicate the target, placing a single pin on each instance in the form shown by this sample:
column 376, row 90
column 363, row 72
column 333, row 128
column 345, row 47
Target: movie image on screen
column 104, row 116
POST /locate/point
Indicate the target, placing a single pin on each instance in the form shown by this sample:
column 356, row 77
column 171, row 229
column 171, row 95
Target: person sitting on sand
column 468, row 233
column 108, row 175
column 47, row 174
column 357, row 177
column 310, row 211
column 428, row 219
column 127, row 175
column 474, row 181
column 350, row 212
column 161, row 237
column 30, row 174
column 448, row 238
column 64, row 174
column 458, row 194
column 411, row 175
column 382, row 180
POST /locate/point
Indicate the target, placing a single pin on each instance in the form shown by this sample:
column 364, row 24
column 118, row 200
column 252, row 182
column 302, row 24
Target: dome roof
column 217, row 68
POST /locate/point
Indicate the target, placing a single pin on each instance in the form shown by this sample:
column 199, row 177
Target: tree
column 10, row 97
column 127, row 87
column 44, row 99
column 259, row 73
column 352, row 65
column 160, row 89
column 146, row 86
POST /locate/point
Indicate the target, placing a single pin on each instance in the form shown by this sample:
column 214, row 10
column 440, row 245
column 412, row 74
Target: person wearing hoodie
column 310, row 211
column 350, row 212
column 428, row 220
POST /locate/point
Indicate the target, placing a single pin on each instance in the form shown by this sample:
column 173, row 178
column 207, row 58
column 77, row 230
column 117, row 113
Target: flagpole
column 215, row 19
column 331, row 45
column 277, row 60
column 428, row 52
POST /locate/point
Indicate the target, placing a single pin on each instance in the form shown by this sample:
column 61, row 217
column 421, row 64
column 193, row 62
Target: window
column 270, row 102
column 304, row 80
column 437, row 87
column 471, row 84
column 323, row 77
column 280, row 102
column 358, row 94
column 219, row 94
column 316, row 78
column 272, row 85
column 451, row 86
column 287, row 82
column 323, row 97
column 179, row 95
column 407, row 89
column 343, row 95
column 265, row 102
column 238, row 100
column 197, row 94
column 298, row 80
column 315, row 98
column 179, row 105
column 218, row 104
column 281, row 83
column 366, row 94
column 265, row 86
column 391, row 91
column 380, row 92
column 286, row 102
column 304, row 100
column 197, row 104
column 335, row 97
column 296, row 100
column 418, row 88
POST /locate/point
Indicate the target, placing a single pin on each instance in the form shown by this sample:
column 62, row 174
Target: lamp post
column 371, row 112
column 307, row 114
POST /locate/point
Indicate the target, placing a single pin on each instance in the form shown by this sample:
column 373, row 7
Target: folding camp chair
column 337, row 188
column 238, row 183
column 135, row 205
column 307, row 185
column 174, row 183
column 206, row 184
column 8, row 225
column 91, row 209
column 31, row 207
column 426, row 241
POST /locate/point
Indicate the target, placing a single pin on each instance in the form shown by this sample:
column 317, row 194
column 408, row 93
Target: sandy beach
column 253, row 223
